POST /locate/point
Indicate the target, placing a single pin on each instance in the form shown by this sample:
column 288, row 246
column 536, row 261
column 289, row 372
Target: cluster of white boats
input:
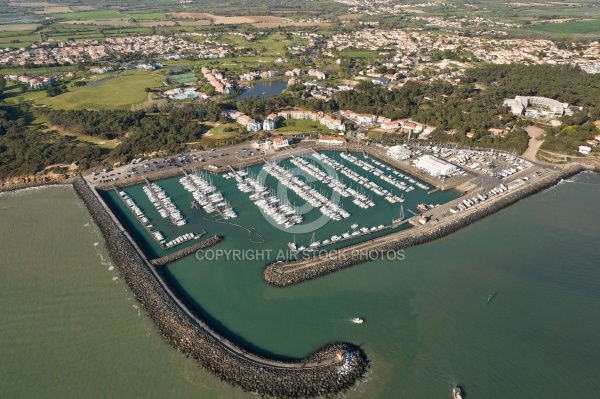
column 181, row 239
column 282, row 212
column 356, row 232
column 157, row 235
column 163, row 204
column 388, row 177
column 469, row 202
column 352, row 175
column 207, row 195
column 306, row 192
column 387, row 174
column 336, row 185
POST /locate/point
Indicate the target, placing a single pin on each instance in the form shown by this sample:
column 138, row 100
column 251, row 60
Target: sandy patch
column 54, row 10
column 199, row 22
column 257, row 20
column 30, row 4
column 529, row 4
column 158, row 23
column 106, row 22
column 349, row 17
column 82, row 8
column 191, row 15
column 535, row 143
column 560, row 20
column 17, row 27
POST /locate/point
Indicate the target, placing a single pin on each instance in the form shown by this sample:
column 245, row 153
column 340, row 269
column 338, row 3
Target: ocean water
column 69, row 330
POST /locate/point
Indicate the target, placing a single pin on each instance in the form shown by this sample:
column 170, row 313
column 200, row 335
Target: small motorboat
column 358, row 320
column 457, row 393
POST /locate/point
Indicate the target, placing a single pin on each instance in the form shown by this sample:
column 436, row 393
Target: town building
column 584, row 149
column 435, row 166
column 541, row 106
column 332, row 140
column 399, row 152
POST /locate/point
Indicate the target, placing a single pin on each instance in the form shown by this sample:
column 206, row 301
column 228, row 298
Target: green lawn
column 225, row 131
column 85, row 15
column 120, row 93
column 359, row 54
column 570, row 27
column 302, row 126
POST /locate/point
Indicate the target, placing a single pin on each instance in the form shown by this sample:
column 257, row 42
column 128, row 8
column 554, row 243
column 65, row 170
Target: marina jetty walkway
column 283, row 273
column 182, row 253
column 331, row 370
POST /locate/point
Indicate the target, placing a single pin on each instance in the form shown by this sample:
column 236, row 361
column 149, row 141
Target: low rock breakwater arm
column 282, row 274
column 330, row 370
column 186, row 251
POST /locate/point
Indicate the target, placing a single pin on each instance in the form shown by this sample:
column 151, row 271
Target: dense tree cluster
column 25, row 150
column 563, row 83
column 103, row 124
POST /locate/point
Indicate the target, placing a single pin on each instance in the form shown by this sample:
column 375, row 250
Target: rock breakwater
column 186, row 251
column 282, row 274
column 330, row 370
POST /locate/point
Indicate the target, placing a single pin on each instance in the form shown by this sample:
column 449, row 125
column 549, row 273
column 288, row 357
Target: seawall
column 283, row 274
column 332, row 369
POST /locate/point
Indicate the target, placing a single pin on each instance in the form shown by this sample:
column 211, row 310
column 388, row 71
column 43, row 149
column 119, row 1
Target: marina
column 338, row 197
column 163, row 203
column 157, row 235
column 206, row 195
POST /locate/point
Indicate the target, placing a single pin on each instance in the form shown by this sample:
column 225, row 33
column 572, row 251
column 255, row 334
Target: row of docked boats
column 335, row 184
column 207, row 195
column 306, row 192
column 157, row 235
column 469, row 202
column 163, row 204
column 392, row 180
column 363, row 181
column 385, row 175
column 356, row 232
column 181, row 239
column 282, row 212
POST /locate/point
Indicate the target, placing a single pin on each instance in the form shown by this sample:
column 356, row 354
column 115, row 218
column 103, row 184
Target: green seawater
column 67, row 329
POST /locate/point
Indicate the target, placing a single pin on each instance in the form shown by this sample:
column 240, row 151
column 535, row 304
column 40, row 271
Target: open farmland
column 90, row 15
column 581, row 27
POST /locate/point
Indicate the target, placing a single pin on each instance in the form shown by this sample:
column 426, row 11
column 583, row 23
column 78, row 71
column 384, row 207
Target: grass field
column 119, row 93
column 85, row 15
column 570, row 27
column 302, row 126
column 150, row 15
column 18, row 40
column 222, row 131
column 359, row 54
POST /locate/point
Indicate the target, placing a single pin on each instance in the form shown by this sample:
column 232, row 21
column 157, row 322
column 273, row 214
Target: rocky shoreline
column 331, row 370
column 283, row 274
column 6, row 187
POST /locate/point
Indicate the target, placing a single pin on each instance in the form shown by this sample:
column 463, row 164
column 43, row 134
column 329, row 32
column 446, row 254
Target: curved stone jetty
column 282, row 274
column 331, row 370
